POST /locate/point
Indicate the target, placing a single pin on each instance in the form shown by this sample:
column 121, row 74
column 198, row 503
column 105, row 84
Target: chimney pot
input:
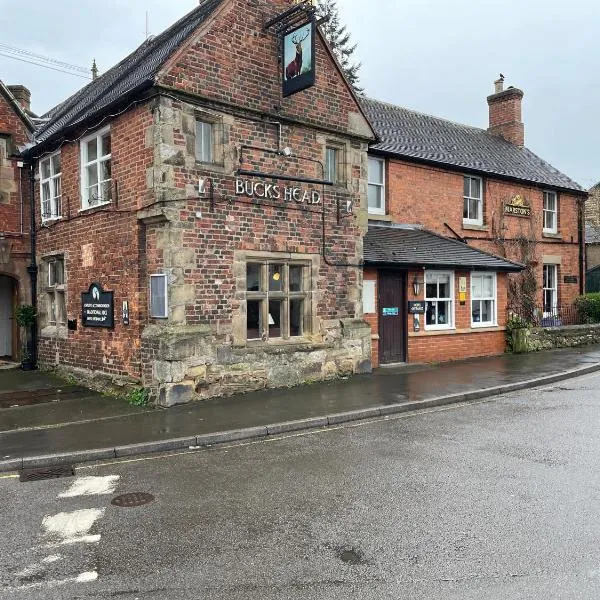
column 499, row 84
column 22, row 96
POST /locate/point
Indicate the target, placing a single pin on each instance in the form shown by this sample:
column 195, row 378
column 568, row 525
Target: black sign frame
column 570, row 279
column 97, row 299
column 416, row 307
column 300, row 81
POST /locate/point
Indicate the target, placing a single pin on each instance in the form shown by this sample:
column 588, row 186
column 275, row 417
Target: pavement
column 80, row 425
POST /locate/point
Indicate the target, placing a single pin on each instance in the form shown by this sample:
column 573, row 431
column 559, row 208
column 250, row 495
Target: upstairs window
column 376, row 186
column 550, row 212
column 472, row 201
column 50, row 187
column 204, row 141
column 96, row 178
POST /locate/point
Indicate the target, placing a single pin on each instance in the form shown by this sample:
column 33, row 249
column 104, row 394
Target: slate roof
column 592, row 234
column 133, row 73
column 411, row 134
column 406, row 246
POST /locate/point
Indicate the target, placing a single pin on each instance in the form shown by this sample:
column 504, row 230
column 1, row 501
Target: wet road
column 494, row 500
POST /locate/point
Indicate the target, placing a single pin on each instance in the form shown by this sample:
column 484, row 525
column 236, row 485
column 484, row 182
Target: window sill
column 379, row 217
column 51, row 221
column 442, row 328
column 475, row 227
column 552, row 234
column 92, row 208
column 483, row 325
column 55, row 331
column 429, row 333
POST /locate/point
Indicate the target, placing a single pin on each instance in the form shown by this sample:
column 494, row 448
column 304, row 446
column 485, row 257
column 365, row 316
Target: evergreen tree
column 339, row 40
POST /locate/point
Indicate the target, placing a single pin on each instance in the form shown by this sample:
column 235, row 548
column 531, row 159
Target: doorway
column 392, row 316
column 7, row 323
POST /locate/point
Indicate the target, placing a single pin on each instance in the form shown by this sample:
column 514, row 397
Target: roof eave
column 405, row 265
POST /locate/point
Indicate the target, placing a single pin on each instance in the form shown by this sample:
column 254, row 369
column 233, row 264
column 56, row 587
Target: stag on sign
column 298, row 61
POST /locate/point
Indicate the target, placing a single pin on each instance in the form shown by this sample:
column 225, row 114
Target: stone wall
column 545, row 338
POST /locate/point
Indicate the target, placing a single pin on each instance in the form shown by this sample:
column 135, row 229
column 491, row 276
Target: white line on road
column 69, row 525
column 91, row 486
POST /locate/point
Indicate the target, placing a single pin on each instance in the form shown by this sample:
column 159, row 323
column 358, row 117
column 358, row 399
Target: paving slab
column 386, row 391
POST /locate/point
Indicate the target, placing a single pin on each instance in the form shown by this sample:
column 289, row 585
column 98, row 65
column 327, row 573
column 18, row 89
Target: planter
column 27, row 366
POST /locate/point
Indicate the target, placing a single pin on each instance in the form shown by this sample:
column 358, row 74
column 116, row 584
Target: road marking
column 71, row 525
column 87, row 577
column 9, row 476
column 52, row 559
column 91, row 486
column 84, row 539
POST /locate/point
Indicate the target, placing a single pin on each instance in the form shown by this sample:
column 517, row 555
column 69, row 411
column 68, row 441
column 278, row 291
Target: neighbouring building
column 201, row 209
column 592, row 239
column 464, row 224
column 16, row 127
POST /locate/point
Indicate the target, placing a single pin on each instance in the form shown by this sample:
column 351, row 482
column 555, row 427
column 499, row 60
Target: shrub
column 25, row 315
column 588, row 308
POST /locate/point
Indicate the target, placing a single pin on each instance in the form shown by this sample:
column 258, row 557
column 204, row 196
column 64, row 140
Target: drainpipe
column 581, row 232
column 32, row 269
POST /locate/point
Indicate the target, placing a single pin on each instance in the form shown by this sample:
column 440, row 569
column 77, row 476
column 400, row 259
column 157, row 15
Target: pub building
column 201, row 208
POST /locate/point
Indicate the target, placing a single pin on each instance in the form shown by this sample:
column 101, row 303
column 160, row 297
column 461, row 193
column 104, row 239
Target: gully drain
column 132, row 499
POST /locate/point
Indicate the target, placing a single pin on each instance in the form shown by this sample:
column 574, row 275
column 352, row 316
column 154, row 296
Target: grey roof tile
column 137, row 69
column 405, row 246
column 411, row 134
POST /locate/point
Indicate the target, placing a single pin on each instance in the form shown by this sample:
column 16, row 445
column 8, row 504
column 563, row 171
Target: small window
column 55, row 292
column 439, row 300
column 158, row 296
column 550, row 290
column 472, row 201
column 276, row 300
column 96, row 170
column 331, row 164
column 51, row 187
column 550, row 212
column 204, row 142
column 376, row 187
column 483, row 299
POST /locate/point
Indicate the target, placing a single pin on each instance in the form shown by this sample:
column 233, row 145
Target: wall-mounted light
column 416, row 286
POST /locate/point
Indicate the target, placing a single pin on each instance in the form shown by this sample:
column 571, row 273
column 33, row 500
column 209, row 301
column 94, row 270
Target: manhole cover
column 132, row 499
column 351, row 557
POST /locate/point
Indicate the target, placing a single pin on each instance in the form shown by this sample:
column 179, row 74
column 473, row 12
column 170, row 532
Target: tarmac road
column 497, row 500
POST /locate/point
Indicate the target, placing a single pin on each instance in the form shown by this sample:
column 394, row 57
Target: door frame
column 403, row 309
column 15, row 329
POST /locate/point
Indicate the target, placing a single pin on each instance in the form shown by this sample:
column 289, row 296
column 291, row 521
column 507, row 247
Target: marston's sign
column 271, row 191
column 517, row 207
column 97, row 307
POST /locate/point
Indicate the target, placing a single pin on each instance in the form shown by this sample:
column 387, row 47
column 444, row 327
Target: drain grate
column 46, row 473
column 132, row 499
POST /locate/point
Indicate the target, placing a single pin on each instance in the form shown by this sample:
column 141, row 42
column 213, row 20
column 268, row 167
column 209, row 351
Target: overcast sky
column 435, row 56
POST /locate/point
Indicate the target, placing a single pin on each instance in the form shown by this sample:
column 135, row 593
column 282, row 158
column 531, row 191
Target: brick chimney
column 22, row 95
column 505, row 113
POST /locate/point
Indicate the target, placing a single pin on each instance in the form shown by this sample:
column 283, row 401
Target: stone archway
column 9, row 347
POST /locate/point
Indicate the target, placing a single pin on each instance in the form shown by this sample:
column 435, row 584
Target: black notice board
column 416, row 307
column 97, row 307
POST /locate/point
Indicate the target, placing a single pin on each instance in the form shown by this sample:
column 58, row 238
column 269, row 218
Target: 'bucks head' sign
column 97, row 307
column 299, row 59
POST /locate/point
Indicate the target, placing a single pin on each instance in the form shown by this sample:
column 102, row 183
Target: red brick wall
column 432, row 196
column 373, row 318
column 117, row 251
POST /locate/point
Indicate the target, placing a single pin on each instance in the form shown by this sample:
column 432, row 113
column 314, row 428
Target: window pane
column 375, row 171
column 275, row 318
column 331, row 164
column 46, row 169
column 466, row 208
column 51, row 308
column 474, row 209
column 92, row 175
column 488, row 286
column 431, row 290
column 56, row 168
column 486, row 311
column 476, row 286
column 275, row 278
column 253, row 277
column 476, row 188
column 59, row 267
column 93, row 195
column 105, row 170
column 158, row 297
column 466, row 186
column 296, row 278
column 61, row 310
column 476, row 311
column 443, row 313
column 430, row 313
column 105, row 145
column 92, row 150
column 254, row 319
column 296, row 317
column 444, row 286
column 45, row 191
column 207, row 141
column 106, row 191
column 57, row 185
column 375, row 196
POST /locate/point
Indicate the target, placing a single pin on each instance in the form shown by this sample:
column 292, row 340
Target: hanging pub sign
column 298, row 58
column 517, row 207
column 97, row 307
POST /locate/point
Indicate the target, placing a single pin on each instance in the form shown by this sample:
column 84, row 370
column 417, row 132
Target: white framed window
column 159, row 303
column 204, row 141
column 51, row 186
column 439, row 300
column 331, row 164
column 472, row 200
column 55, row 291
column 483, row 299
column 376, row 186
column 550, row 290
column 277, row 299
column 369, row 304
column 96, row 177
column 550, row 212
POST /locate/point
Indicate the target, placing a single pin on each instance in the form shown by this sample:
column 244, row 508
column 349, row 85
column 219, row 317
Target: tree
column 339, row 40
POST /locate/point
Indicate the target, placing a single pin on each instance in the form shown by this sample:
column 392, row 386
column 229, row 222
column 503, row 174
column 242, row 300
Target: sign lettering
column 97, row 307
column 270, row 191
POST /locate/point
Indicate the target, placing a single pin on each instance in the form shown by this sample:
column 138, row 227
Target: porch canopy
column 410, row 246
